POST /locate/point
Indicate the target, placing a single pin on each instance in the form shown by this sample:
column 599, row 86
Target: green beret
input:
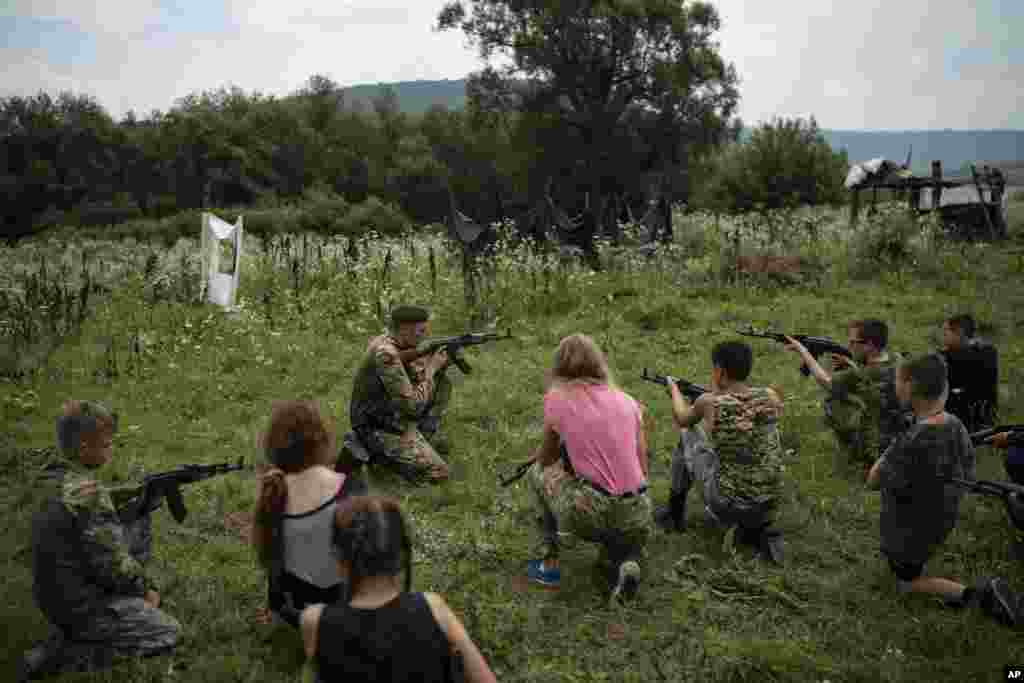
column 409, row 314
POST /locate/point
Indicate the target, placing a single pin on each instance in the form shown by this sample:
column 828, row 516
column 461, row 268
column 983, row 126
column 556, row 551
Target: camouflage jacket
column 863, row 411
column 389, row 395
column 745, row 436
column 79, row 555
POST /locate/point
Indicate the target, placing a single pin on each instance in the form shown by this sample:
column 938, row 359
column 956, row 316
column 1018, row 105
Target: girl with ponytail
column 384, row 632
column 295, row 510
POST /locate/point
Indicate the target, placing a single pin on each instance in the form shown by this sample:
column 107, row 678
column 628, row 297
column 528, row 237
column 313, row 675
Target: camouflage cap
column 409, row 314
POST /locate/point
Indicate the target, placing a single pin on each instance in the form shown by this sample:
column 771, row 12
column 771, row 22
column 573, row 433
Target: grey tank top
column 307, row 545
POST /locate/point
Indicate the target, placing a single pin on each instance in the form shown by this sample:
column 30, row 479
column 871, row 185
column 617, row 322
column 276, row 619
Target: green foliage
column 374, row 215
column 635, row 112
column 785, row 163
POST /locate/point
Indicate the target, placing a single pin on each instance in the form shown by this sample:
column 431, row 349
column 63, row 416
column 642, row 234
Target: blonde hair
column 579, row 360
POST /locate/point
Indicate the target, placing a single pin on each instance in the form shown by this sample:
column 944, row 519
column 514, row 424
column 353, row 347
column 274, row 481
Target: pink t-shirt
column 599, row 426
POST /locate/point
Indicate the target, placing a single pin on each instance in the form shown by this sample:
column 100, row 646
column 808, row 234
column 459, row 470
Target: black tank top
column 396, row 642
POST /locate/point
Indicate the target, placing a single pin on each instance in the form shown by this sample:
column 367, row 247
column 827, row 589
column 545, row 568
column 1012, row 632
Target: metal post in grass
column 433, row 268
column 385, row 275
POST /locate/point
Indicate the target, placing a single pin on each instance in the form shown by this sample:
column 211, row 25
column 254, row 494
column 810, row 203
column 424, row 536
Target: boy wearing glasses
column 861, row 405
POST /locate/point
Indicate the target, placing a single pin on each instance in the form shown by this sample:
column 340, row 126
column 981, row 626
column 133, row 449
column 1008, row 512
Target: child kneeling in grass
column 295, row 509
column 384, row 633
column 919, row 507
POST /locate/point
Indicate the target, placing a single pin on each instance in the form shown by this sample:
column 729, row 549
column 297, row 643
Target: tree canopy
column 598, row 77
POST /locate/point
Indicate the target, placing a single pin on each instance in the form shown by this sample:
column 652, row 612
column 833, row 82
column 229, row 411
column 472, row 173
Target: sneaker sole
column 627, row 586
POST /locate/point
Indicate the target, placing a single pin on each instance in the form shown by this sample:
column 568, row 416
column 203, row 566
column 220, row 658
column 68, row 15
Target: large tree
column 593, row 62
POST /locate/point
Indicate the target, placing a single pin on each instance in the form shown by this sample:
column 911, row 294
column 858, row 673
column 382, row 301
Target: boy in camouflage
column 399, row 397
column 729, row 444
column 919, row 507
column 861, row 405
column 88, row 578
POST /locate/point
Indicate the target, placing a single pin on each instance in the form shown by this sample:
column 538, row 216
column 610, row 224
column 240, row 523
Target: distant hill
column 414, row 97
column 953, row 147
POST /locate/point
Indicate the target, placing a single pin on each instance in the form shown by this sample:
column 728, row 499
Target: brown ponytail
column 267, row 521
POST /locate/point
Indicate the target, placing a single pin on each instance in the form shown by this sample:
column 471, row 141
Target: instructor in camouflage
column 399, row 397
column 729, row 444
column 87, row 568
column 861, row 405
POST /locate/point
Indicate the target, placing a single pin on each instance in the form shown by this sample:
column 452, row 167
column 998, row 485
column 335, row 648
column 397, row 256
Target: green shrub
column 888, row 239
column 323, row 216
column 375, row 215
column 784, row 164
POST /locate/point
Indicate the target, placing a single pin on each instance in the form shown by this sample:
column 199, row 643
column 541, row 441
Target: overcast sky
column 872, row 64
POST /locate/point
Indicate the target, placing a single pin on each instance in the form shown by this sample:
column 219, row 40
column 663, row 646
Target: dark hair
column 735, row 357
column 80, row 418
column 298, row 438
column 370, row 533
column 963, row 323
column 927, row 376
column 873, row 330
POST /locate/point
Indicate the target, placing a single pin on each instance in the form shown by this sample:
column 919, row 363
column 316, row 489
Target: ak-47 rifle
column 690, row 390
column 1011, row 494
column 453, row 345
column 144, row 498
column 816, row 346
column 985, row 435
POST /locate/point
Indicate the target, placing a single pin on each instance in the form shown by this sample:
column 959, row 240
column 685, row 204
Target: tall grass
column 194, row 384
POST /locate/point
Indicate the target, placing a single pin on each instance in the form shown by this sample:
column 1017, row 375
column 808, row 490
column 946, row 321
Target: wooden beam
column 984, row 205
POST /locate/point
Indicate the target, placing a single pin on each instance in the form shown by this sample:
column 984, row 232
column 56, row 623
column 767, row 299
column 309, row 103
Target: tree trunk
column 667, row 234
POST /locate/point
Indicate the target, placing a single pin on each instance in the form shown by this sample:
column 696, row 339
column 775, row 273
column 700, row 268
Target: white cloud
column 871, row 64
column 99, row 16
column 890, row 59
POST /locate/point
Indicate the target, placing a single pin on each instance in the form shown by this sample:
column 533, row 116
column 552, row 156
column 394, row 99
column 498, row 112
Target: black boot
column 672, row 517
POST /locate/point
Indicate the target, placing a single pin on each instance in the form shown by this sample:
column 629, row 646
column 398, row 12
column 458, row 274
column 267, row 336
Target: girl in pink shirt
column 590, row 475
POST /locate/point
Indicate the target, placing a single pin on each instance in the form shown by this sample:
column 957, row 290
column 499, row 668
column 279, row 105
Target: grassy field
column 195, row 385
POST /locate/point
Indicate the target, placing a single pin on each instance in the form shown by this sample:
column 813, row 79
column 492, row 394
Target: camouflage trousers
column 129, row 627
column 621, row 526
column 411, row 452
column 695, row 461
column 126, row 627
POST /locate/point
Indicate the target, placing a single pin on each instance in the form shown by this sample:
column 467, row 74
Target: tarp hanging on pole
column 220, row 288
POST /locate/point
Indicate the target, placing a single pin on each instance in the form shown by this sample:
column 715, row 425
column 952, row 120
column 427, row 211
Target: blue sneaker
column 551, row 578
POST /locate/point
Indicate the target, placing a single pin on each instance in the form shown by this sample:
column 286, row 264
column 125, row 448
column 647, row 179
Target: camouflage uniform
column 620, row 524
column 395, row 407
column 87, row 580
column 739, row 466
column 863, row 411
